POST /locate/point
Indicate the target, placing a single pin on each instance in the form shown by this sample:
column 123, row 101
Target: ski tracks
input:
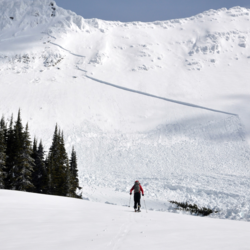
column 116, row 242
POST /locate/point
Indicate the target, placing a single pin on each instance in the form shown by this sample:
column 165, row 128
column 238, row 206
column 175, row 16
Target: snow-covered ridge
column 202, row 33
column 26, row 14
column 29, row 14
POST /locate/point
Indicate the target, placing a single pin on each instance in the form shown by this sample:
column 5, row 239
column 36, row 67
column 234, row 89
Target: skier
column 137, row 195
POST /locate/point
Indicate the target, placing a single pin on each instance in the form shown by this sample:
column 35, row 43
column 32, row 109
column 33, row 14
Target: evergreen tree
column 24, row 162
column 39, row 175
column 15, row 151
column 49, row 167
column 16, row 148
column 24, row 168
column 42, row 167
column 64, row 163
column 3, row 126
column 58, row 170
column 11, row 154
column 74, row 172
column 69, row 183
column 2, row 123
column 2, row 153
column 35, row 168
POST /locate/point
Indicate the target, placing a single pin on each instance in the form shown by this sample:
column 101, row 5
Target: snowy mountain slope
column 31, row 221
column 53, row 64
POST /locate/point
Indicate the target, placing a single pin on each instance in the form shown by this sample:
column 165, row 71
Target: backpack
column 137, row 187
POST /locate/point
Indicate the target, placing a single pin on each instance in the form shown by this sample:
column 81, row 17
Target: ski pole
column 129, row 200
column 145, row 204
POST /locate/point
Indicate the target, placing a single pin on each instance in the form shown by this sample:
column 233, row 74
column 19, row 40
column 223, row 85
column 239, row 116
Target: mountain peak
column 24, row 14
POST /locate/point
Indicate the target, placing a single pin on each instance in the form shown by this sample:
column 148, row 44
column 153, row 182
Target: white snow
column 31, row 221
column 53, row 65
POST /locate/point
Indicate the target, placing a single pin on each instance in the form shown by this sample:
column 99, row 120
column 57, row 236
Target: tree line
column 24, row 165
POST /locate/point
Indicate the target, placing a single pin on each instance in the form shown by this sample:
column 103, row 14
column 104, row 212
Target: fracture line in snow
column 66, row 49
column 46, row 33
column 162, row 98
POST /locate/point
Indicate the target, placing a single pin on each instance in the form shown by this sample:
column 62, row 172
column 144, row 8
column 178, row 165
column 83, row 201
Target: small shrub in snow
column 193, row 208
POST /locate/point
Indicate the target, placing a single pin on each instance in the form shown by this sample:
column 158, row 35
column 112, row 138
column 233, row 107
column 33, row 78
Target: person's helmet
column 136, row 181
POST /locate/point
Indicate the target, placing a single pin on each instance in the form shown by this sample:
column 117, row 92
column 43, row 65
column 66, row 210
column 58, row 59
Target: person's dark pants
column 137, row 199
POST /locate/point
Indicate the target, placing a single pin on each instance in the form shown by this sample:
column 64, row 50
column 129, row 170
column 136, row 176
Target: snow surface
column 61, row 68
column 32, row 221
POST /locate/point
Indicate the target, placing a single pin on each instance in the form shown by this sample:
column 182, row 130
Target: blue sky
column 145, row 10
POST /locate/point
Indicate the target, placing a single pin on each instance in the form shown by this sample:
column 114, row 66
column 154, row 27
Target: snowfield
column 31, row 221
column 182, row 129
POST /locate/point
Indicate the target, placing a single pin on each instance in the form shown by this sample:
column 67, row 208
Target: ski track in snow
column 117, row 241
column 35, row 221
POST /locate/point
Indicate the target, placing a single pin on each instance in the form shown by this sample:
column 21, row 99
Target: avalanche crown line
column 159, row 97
